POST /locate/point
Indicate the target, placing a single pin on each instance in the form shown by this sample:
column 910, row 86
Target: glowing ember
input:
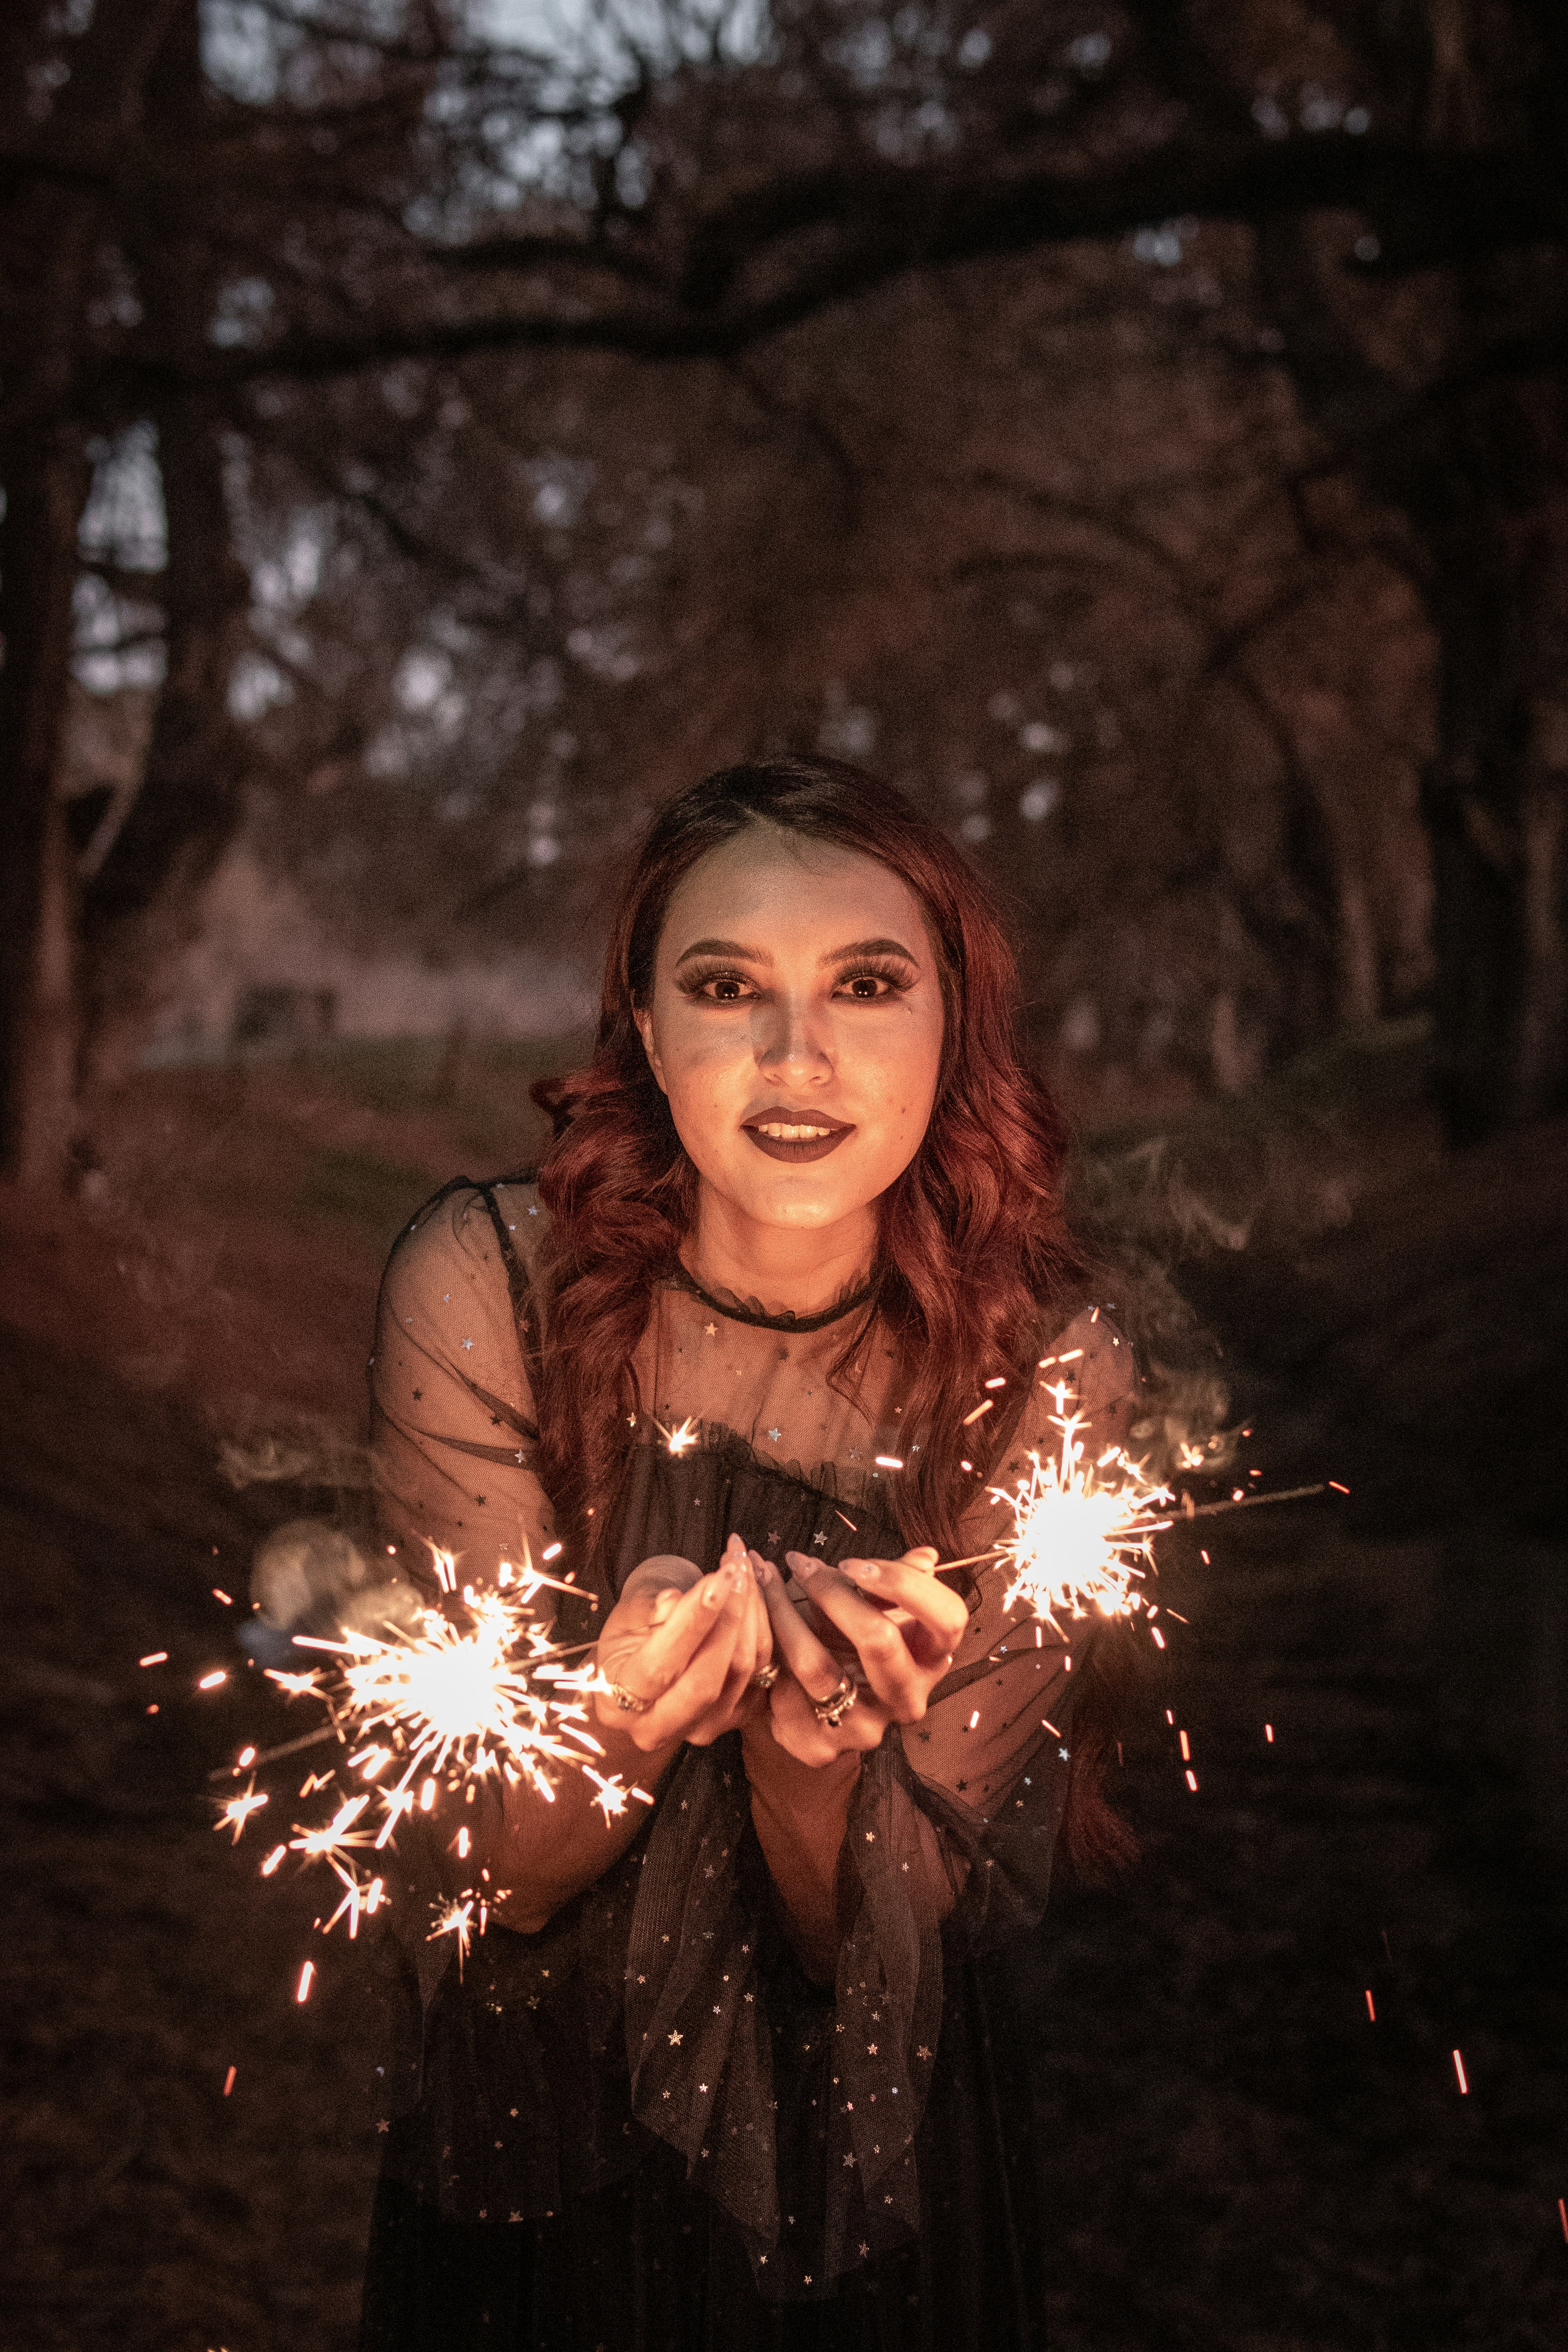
column 455, row 1919
column 682, row 1438
column 237, row 1811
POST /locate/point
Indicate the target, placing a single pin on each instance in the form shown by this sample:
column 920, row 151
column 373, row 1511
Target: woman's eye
column 723, row 988
column 869, row 987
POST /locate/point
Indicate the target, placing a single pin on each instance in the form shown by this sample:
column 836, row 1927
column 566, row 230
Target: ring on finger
column 833, row 1709
column 765, row 1677
column 628, row 1701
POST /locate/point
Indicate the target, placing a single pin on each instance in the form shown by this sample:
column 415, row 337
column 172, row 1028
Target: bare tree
column 691, row 182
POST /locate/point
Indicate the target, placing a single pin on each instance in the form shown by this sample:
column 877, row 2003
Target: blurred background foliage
column 431, row 430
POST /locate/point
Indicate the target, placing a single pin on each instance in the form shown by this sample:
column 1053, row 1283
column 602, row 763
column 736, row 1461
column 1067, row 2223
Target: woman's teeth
column 782, row 1134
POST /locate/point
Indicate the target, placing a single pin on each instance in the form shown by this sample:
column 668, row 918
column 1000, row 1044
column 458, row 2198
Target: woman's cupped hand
column 681, row 1651
column 889, row 1627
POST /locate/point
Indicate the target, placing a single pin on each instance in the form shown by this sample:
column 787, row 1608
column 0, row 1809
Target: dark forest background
column 431, row 431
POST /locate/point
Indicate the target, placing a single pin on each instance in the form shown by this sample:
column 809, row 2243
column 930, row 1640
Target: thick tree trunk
column 53, row 231
column 46, row 476
column 1480, row 477
column 140, row 903
column 1496, row 524
column 137, row 905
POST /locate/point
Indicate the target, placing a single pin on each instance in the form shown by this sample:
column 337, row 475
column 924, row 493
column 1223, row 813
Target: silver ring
column 628, row 1701
column 765, row 1677
column 833, row 1709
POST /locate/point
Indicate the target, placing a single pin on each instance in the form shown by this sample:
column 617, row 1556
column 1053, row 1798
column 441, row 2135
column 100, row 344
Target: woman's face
column 795, row 1025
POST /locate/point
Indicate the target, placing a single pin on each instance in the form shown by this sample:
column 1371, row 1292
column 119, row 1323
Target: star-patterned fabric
column 662, row 2009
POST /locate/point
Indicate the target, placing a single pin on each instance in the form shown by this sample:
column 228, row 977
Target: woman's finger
column 898, row 1679
column 910, row 1584
column 699, row 1685
column 803, row 1733
column 665, row 1650
column 814, row 1666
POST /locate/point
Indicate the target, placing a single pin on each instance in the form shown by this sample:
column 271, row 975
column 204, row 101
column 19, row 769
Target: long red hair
column 975, row 1260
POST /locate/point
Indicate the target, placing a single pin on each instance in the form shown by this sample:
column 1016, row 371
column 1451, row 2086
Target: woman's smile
column 795, row 1135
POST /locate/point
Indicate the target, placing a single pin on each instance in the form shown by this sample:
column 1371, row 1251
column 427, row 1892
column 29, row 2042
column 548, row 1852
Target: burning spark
column 457, row 1920
column 976, row 1414
column 272, row 1861
column 228, row 2081
column 246, row 1756
column 1371, row 2007
column 211, row 1682
column 680, row 1440
column 235, row 1814
column 153, row 1658
column 306, row 1973
column 1460, row 2071
column 226, row 1598
column 1269, row 1733
column 889, row 1462
column 613, row 1795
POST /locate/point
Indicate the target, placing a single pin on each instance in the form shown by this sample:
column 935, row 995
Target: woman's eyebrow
column 761, row 955
column 869, row 947
column 722, row 946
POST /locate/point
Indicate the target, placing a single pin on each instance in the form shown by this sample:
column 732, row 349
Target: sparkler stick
column 1250, row 1502
column 1197, row 1511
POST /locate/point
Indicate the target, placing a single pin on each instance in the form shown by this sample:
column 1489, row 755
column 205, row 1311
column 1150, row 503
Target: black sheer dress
column 644, row 2128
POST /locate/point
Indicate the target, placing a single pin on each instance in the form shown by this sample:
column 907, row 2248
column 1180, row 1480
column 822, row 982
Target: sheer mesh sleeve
column 452, row 1421
column 1009, row 1691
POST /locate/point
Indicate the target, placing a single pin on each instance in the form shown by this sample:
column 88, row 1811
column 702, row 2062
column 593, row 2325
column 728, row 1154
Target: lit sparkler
column 1083, row 1531
column 460, row 1699
column 683, row 1437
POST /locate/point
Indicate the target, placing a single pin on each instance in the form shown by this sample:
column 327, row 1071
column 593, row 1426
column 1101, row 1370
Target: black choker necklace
column 751, row 1310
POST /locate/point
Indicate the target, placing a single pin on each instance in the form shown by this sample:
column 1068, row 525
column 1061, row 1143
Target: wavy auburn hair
column 974, row 1258
column 974, row 1244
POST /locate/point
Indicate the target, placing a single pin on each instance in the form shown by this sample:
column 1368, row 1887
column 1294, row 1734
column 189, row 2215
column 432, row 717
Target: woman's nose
column 792, row 1038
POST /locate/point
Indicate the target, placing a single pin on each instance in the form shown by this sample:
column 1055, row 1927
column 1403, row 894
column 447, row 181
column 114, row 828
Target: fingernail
column 864, row 1572
column 802, row 1564
column 761, row 1569
column 713, row 1592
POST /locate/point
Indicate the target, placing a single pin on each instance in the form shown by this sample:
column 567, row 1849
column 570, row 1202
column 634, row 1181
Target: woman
column 750, row 2068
